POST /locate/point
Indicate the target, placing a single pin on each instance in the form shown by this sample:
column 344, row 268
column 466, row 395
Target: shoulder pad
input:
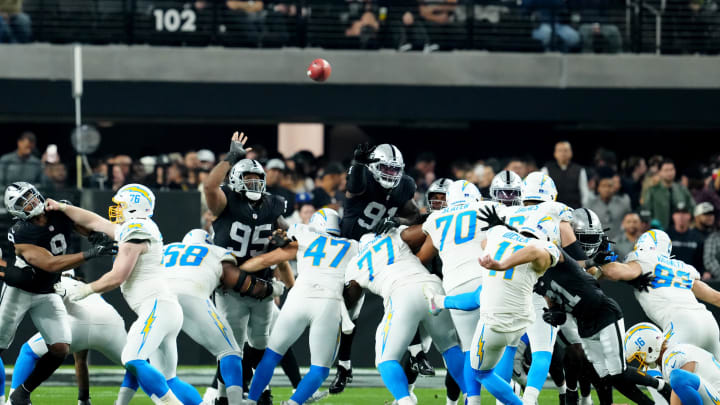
column 225, row 255
column 138, row 229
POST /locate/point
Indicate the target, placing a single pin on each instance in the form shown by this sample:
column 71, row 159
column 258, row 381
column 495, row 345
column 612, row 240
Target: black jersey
column 569, row 286
column 244, row 226
column 363, row 212
column 53, row 237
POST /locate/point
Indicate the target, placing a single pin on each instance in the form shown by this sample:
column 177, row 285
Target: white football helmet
column 538, row 186
column 133, row 201
column 197, row 237
column 547, row 228
column 439, row 186
column 506, row 188
column 643, row 342
column 388, row 170
column 462, row 190
column 588, row 230
column 654, row 240
column 252, row 188
column 326, row 220
column 23, row 200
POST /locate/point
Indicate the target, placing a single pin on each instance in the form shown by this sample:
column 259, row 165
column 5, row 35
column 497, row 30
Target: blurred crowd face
column 57, row 172
column 705, row 221
column 273, row 177
column 174, row 174
column 667, row 173
column 439, row 13
column 306, row 211
column 632, row 225
column 606, row 188
column 25, row 146
column 517, row 166
column 192, row 161
column 123, row 162
column 640, row 169
column 681, row 220
column 563, row 153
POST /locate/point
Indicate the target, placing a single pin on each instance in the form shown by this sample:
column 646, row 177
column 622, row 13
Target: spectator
column 711, row 256
column 303, row 209
column 206, row 158
column 274, row 173
column 21, row 165
column 425, row 164
column 191, row 160
column 364, row 26
column 686, row 242
column 652, row 176
column 554, row 32
column 57, row 173
column 518, row 166
column 15, row 26
column 325, row 194
column 634, row 169
column 631, row 230
column 569, row 177
column 460, row 169
column 703, row 190
column 704, row 218
column 429, row 25
column 595, row 24
column 610, row 207
column 482, row 176
column 666, row 194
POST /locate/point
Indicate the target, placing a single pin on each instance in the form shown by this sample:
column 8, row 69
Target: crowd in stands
column 689, row 26
column 629, row 196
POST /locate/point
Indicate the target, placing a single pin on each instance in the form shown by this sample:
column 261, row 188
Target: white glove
column 278, row 287
column 60, row 290
column 436, row 303
column 78, row 292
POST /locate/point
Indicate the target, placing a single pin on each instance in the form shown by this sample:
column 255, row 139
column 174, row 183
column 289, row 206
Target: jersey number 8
column 192, row 255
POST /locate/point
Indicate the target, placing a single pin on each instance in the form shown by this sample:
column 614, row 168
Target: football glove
column 490, row 215
column 554, row 317
column 642, row 282
column 278, row 239
column 386, row 225
column 77, row 292
column 236, row 153
column 102, row 245
column 362, row 152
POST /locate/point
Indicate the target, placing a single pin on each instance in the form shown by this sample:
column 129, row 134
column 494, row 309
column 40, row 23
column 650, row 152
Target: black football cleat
column 571, row 397
column 342, row 379
column 421, row 365
column 266, row 398
column 19, row 397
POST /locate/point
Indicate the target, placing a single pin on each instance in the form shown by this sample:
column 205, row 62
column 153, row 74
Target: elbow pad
column 356, row 179
column 249, row 285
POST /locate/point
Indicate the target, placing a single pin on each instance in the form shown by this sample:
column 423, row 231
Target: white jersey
column 506, row 300
column 531, row 215
column 146, row 279
column 322, row 260
column 194, row 269
column 456, row 234
column 92, row 309
column 707, row 366
column 671, row 289
column 385, row 262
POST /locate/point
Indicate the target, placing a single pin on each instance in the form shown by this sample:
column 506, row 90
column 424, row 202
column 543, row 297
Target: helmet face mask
column 506, row 188
column 24, row 201
column 588, row 230
column 436, row 195
column 644, row 342
column 589, row 241
column 507, row 196
column 388, row 169
column 247, row 177
column 133, row 201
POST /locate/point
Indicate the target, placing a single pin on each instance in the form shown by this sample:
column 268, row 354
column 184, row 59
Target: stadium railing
column 656, row 26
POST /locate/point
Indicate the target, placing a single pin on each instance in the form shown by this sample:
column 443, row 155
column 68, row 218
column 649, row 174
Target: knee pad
column 683, row 378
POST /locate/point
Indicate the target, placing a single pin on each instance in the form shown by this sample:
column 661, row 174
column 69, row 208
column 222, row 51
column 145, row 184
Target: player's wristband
column 598, row 272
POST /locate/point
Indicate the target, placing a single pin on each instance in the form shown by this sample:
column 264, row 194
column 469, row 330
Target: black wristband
column 575, row 251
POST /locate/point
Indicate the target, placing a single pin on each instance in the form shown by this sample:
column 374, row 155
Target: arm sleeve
column 356, row 179
column 575, row 251
column 465, row 302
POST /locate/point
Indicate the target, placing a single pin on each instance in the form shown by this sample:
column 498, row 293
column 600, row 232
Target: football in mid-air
column 319, row 70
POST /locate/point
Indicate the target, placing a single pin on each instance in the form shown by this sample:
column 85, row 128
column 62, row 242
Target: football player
column 455, row 234
column 506, row 303
column 387, row 267
column 315, row 301
column 671, row 300
column 694, row 373
column 40, row 240
column 246, row 217
column 137, row 270
column 569, row 289
column 377, row 189
column 95, row 325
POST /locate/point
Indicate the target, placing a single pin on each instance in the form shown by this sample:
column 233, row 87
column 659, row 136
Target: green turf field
column 353, row 396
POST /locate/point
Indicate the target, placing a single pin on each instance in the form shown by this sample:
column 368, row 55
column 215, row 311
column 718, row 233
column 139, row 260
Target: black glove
column 278, row 239
column 601, row 258
column 554, row 317
column 642, row 282
column 605, row 243
column 490, row 215
column 386, row 225
column 362, row 152
column 102, row 245
column 236, row 153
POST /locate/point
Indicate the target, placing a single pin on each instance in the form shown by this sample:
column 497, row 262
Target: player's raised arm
column 214, row 196
column 82, row 217
column 271, row 258
column 540, row 257
column 357, row 174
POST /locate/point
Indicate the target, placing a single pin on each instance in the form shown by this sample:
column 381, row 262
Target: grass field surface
column 352, row 396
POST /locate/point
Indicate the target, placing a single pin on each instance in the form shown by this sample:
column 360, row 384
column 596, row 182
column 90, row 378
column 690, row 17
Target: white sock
column 415, row 349
column 411, row 387
column 250, row 402
column 473, row 400
column 405, row 401
column 291, row 402
column 210, row 394
column 345, row 364
column 168, row 399
column 221, row 391
column 562, row 389
column 235, row 394
column 124, row 396
column 449, row 401
column 530, row 396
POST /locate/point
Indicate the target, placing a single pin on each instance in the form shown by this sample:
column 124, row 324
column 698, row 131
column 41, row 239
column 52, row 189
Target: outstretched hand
column 385, row 226
column 278, row 239
column 237, row 148
column 492, row 218
column 362, row 152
